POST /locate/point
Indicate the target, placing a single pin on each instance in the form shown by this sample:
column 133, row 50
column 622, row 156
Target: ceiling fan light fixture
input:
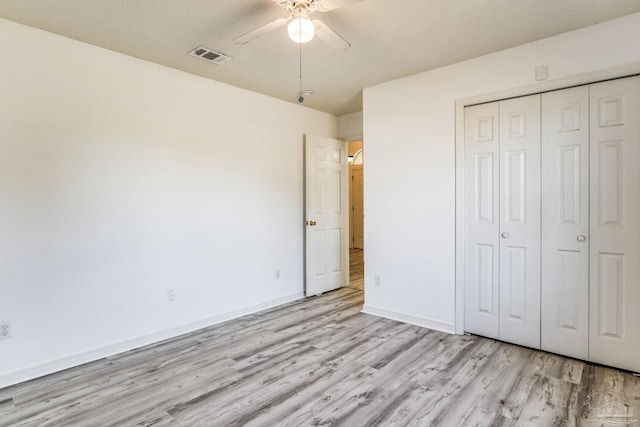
column 301, row 29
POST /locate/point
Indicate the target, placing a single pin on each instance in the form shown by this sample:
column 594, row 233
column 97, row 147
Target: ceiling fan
column 301, row 28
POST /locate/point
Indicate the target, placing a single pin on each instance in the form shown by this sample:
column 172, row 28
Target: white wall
column 350, row 126
column 121, row 179
column 410, row 134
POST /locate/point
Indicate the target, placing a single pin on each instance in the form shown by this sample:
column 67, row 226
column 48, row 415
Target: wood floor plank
column 391, row 403
column 216, row 406
column 56, row 382
column 356, row 269
column 264, row 354
column 150, row 419
column 631, row 393
column 507, row 375
column 140, row 399
column 548, row 404
column 513, row 404
column 334, row 404
column 57, row 409
column 6, row 406
column 295, row 402
column 456, row 389
column 320, row 361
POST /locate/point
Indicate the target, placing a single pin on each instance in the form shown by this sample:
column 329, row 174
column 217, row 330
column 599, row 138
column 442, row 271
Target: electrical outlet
column 376, row 280
column 277, row 274
column 171, row 295
column 5, row 330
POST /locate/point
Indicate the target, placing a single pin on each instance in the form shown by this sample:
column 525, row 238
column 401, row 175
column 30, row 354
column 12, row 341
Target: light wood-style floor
column 356, row 269
column 319, row 361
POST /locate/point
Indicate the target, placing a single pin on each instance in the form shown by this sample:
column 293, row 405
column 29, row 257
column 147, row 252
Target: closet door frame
column 540, row 87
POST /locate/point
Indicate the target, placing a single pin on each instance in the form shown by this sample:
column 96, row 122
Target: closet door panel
column 615, row 224
column 481, row 220
column 520, row 221
column 565, row 222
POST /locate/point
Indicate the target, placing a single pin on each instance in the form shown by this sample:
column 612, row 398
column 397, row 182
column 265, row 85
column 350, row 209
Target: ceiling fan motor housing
column 293, row 5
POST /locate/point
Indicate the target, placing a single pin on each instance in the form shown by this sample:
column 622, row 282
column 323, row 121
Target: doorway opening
column 356, row 215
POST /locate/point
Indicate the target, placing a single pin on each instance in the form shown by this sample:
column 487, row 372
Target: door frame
column 352, row 216
column 540, row 87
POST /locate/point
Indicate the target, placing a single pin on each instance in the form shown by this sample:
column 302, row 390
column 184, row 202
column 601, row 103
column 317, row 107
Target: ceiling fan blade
column 327, row 5
column 260, row 31
column 329, row 36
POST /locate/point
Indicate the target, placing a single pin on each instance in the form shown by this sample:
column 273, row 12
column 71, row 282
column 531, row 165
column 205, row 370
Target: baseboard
column 110, row 350
column 409, row 318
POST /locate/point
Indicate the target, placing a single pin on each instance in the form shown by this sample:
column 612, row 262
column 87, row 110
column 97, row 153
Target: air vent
column 210, row 55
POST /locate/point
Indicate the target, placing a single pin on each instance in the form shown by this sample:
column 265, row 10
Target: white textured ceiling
column 389, row 38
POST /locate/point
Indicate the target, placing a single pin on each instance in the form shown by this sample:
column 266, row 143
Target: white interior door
column 326, row 211
column 482, row 220
column 565, row 222
column 615, row 224
column 520, row 221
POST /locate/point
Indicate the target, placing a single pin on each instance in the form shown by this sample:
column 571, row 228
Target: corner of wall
column 350, row 126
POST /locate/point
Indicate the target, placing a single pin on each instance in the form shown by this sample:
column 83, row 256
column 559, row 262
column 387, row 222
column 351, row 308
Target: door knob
column 311, row 223
column 581, row 238
column 505, row 235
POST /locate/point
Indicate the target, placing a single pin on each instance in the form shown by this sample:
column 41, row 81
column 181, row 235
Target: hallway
column 356, row 269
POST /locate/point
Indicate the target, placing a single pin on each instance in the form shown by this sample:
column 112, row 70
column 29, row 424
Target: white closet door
column 615, row 224
column 520, row 221
column 481, row 219
column 565, row 222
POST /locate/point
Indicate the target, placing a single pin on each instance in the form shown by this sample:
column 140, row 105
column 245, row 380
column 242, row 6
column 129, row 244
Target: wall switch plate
column 5, row 330
column 277, row 274
column 171, row 295
column 376, row 280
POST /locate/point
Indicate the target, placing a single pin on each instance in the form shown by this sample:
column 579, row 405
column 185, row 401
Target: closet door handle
column 505, row 235
column 581, row 238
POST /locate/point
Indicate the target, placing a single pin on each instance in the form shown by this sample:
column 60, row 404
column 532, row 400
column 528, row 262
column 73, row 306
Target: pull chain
column 300, row 58
column 302, row 92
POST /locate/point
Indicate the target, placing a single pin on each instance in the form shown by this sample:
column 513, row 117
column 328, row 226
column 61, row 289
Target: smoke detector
column 303, row 93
